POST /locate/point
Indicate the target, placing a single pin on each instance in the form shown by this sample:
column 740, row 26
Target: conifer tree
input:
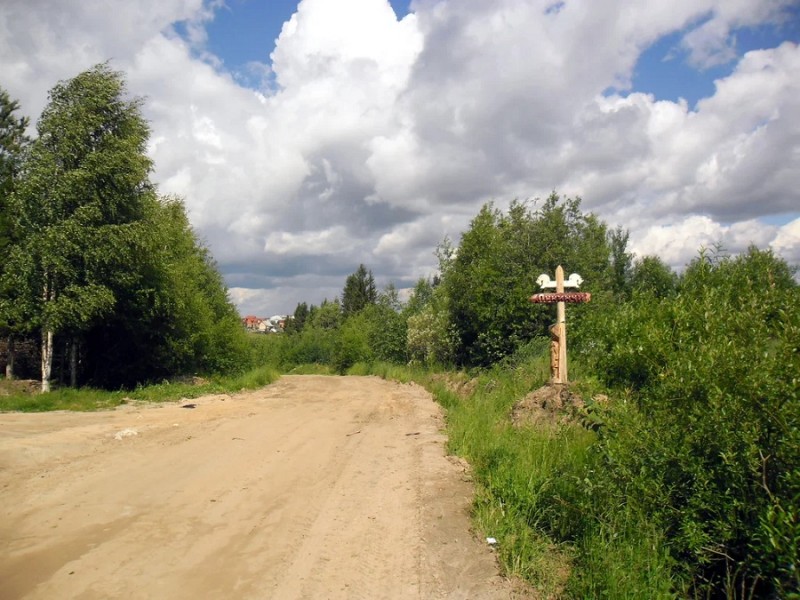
column 359, row 291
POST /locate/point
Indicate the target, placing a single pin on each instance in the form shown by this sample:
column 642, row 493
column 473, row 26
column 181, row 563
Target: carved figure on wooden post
column 558, row 332
column 555, row 352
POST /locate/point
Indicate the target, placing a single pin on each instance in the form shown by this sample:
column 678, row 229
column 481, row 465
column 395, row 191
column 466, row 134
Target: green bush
column 353, row 346
column 709, row 452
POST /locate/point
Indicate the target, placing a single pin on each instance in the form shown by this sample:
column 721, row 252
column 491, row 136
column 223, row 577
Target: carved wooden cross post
column 558, row 332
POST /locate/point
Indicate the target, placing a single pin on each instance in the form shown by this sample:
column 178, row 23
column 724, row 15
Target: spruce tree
column 359, row 291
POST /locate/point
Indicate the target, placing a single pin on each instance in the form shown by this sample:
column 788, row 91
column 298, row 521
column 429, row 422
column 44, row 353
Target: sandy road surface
column 313, row 487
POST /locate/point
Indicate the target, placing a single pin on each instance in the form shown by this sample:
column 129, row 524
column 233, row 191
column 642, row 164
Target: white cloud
column 713, row 43
column 383, row 136
column 677, row 243
column 787, row 242
column 710, row 44
column 311, row 243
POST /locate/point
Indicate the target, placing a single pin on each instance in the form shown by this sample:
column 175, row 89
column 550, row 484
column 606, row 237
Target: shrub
column 710, row 450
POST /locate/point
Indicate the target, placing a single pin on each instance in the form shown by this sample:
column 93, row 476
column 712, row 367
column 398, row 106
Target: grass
column 61, row 399
column 401, row 373
column 89, row 399
column 311, row 369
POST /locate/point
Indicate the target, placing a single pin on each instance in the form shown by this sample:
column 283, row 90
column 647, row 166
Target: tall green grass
column 88, row 399
column 61, row 399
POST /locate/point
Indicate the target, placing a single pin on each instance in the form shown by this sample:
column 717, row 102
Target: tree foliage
column 99, row 262
column 710, row 452
column 78, row 205
column 496, row 266
column 621, row 262
column 298, row 322
column 172, row 315
column 359, row 291
column 650, row 274
column 13, row 142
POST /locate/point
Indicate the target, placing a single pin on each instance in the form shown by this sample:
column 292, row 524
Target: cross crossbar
column 568, row 297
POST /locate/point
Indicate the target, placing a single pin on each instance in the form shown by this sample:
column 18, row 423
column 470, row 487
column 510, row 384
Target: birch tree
column 78, row 207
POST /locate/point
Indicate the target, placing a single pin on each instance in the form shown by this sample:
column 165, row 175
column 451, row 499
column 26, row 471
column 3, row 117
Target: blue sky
column 663, row 71
column 678, row 120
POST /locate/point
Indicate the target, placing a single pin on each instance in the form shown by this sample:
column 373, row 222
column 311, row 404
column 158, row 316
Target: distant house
column 274, row 324
column 252, row 323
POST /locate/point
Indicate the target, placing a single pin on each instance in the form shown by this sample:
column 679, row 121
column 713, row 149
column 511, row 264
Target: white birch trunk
column 47, row 359
column 47, row 338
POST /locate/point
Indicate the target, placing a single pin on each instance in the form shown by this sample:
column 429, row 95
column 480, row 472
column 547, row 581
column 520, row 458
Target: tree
column 390, row 298
column 495, row 268
column 301, row 314
column 172, row 313
column 328, row 316
column 620, row 261
column 652, row 275
column 430, row 338
column 359, row 291
column 101, row 266
column 78, row 206
column 421, row 295
column 13, row 142
column 387, row 332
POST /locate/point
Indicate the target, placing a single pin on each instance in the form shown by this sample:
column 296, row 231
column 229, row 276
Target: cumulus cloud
column 696, row 232
column 787, row 242
column 376, row 137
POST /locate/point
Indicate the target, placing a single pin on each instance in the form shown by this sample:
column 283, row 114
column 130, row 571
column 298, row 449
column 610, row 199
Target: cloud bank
column 371, row 138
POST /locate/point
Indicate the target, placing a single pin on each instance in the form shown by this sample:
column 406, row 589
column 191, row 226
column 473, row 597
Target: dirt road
column 313, row 487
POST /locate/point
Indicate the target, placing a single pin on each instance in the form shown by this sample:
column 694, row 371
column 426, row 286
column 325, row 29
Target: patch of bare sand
column 313, row 487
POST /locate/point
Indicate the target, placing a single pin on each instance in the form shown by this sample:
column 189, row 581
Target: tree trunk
column 73, row 363
column 47, row 359
column 62, row 357
column 10, row 358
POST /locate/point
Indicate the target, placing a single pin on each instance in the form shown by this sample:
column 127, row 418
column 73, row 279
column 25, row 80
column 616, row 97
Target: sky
column 309, row 137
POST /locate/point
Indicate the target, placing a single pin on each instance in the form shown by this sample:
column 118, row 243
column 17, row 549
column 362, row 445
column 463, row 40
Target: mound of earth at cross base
column 313, row 487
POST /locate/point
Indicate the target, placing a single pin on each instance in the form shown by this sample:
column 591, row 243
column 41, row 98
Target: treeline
column 686, row 483
column 475, row 311
column 97, row 268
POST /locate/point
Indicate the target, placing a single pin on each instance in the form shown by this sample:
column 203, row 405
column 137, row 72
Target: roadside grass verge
column 384, row 370
column 311, row 369
column 89, row 399
column 61, row 399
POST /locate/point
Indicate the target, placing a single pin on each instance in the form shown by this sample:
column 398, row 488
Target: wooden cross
column 558, row 332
